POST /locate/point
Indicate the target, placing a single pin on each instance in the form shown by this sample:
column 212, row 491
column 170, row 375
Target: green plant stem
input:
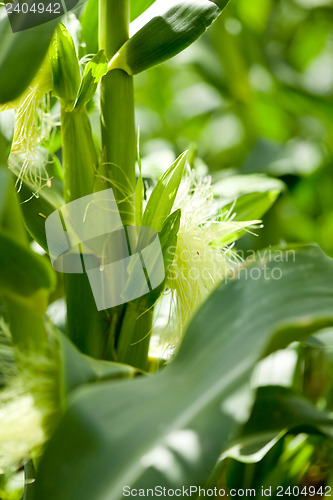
column 79, row 155
column 117, row 111
column 118, row 166
column 135, row 335
column 114, row 19
column 30, row 476
column 86, row 326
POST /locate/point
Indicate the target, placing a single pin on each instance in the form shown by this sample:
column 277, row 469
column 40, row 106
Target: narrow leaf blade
column 164, row 194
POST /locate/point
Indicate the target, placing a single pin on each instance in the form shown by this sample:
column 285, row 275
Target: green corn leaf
column 4, row 149
column 94, row 71
column 321, row 340
column 26, row 279
column 163, row 31
column 21, row 55
column 168, row 239
column 139, row 6
column 22, row 272
column 65, row 66
column 6, row 136
column 285, row 467
column 35, row 210
column 139, row 188
column 277, row 410
column 164, row 193
column 248, row 196
column 138, row 200
column 81, row 369
column 139, row 311
column 10, row 220
column 109, row 439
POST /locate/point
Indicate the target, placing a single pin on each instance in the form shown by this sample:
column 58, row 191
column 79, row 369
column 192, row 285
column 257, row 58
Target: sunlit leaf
column 163, row 195
column 163, row 31
column 198, row 399
column 276, row 411
column 248, row 196
column 93, row 73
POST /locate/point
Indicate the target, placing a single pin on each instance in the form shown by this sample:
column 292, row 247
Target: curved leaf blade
column 162, row 198
column 35, row 210
column 26, row 279
column 23, row 272
column 248, row 196
column 78, row 368
column 164, row 30
column 139, row 6
column 276, row 411
column 93, row 73
column 170, row 429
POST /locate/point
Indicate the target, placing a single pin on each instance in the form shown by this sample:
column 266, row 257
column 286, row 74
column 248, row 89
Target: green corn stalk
column 128, row 336
column 117, row 111
column 86, row 326
column 118, row 161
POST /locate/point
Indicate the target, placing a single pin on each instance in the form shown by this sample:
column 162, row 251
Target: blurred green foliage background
column 254, row 95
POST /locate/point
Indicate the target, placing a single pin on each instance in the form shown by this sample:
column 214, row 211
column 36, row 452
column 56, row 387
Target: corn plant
column 88, row 408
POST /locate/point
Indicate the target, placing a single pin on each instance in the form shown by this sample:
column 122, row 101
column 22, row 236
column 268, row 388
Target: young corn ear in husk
column 202, row 258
